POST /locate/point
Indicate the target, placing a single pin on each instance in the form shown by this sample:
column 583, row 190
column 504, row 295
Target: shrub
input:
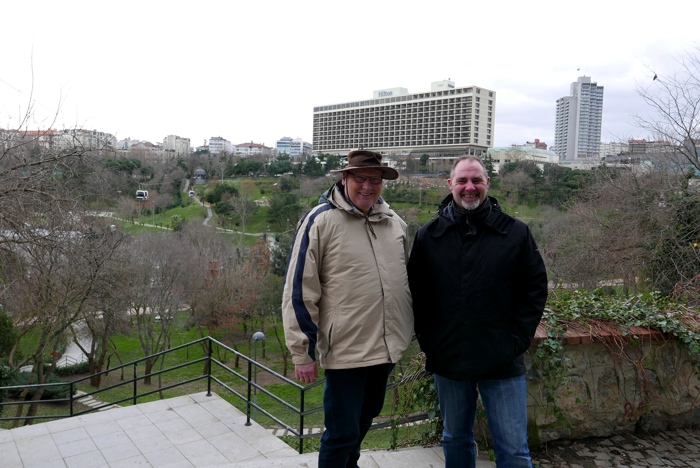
column 75, row 369
column 5, row 380
column 177, row 222
column 50, row 393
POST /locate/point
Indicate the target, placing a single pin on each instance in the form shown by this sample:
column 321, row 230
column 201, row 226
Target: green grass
column 129, row 350
column 45, row 409
column 191, row 211
column 260, row 187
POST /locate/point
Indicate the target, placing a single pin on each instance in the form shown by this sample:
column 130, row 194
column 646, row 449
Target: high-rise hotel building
column 578, row 122
column 446, row 121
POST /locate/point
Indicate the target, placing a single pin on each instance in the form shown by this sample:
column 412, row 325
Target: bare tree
column 49, row 249
column 311, row 189
column 674, row 99
column 633, row 230
column 516, row 184
column 161, row 266
column 161, row 201
column 243, row 207
column 54, row 285
column 106, row 313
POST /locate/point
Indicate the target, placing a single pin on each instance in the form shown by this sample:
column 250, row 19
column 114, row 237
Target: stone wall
column 610, row 385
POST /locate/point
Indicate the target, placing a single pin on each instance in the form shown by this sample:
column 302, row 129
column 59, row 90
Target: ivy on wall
column 605, row 318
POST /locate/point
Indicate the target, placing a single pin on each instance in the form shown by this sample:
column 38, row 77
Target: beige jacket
column 346, row 299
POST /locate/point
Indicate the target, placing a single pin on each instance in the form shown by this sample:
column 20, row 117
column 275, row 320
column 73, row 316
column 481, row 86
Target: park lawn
column 116, row 388
column 191, row 210
column 270, row 357
column 44, row 409
column 257, row 223
column 135, row 229
column 257, row 187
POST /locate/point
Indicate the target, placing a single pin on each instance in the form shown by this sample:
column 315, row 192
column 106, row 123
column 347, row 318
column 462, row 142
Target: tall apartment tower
column 579, row 120
column 445, row 121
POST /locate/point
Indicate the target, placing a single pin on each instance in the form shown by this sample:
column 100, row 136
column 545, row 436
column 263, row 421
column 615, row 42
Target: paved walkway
column 188, row 431
column 678, row 448
column 200, row 431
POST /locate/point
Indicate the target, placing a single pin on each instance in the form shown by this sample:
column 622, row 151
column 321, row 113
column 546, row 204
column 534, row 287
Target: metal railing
column 245, row 388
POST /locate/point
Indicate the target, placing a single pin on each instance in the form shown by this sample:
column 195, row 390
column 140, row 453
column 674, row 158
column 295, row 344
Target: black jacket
column 479, row 288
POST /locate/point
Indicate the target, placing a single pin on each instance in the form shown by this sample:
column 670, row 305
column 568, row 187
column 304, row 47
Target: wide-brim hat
column 363, row 159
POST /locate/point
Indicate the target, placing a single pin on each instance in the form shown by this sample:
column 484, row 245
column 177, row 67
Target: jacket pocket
column 497, row 343
column 327, row 331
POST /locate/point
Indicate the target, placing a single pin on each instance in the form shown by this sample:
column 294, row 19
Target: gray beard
column 469, row 206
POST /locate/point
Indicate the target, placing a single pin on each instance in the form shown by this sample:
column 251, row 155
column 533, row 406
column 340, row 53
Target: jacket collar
column 488, row 214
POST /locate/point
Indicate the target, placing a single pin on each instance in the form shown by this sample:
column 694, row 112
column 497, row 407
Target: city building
column 219, row 145
column 579, row 120
column 295, row 148
column 126, row 143
column 446, row 121
column 180, row 146
column 613, row 148
column 87, row 139
column 144, row 151
column 57, row 140
column 527, row 152
column 537, row 144
column 30, row 139
column 251, row 149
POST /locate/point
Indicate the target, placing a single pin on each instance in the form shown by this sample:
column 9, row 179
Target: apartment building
column 145, row 151
column 57, row 140
column 251, row 149
column 445, row 121
column 219, row 145
column 578, row 122
column 295, row 148
column 180, row 146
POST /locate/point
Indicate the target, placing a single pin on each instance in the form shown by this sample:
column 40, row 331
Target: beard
column 469, row 205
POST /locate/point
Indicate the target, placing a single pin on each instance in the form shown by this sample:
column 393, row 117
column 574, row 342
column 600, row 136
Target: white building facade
column 296, row 148
column 579, row 120
column 87, row 139
column 504, row 155
column 251, row 149
column 180, row 146
column 614, row 148
column 444, row 121
column 219, row 145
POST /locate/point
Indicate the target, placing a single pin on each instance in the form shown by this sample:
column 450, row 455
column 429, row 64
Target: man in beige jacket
column 347, row 304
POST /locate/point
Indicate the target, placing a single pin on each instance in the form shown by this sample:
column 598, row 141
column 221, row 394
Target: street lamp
column 257, row 336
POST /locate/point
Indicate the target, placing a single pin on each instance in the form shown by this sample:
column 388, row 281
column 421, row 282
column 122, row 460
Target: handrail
column 247, row 379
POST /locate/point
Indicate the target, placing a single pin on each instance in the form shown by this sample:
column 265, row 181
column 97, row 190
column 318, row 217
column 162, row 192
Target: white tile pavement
column 189, row 431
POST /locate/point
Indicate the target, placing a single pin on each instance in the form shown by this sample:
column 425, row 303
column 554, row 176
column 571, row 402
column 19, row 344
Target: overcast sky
column 254, row 70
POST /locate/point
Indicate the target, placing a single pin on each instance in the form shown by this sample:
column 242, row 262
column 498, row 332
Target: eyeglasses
column 360, row 179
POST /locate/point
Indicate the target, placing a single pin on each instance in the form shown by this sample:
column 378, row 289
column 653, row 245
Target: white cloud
column 253, row 71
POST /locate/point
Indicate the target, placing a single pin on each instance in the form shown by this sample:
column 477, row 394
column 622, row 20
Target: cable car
column 142, row 194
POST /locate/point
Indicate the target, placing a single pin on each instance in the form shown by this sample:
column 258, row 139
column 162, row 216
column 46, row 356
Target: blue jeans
column 505, row 402
column 351, row 399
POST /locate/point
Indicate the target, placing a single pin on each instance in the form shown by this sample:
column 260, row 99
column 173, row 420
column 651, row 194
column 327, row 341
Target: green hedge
column 50, row 393
column 75, row 369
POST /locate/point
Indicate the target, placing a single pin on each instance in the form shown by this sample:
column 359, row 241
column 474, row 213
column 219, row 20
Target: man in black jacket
column 479, row 288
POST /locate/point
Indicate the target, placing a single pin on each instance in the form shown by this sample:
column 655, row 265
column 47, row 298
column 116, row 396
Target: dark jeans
column 351, row 399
